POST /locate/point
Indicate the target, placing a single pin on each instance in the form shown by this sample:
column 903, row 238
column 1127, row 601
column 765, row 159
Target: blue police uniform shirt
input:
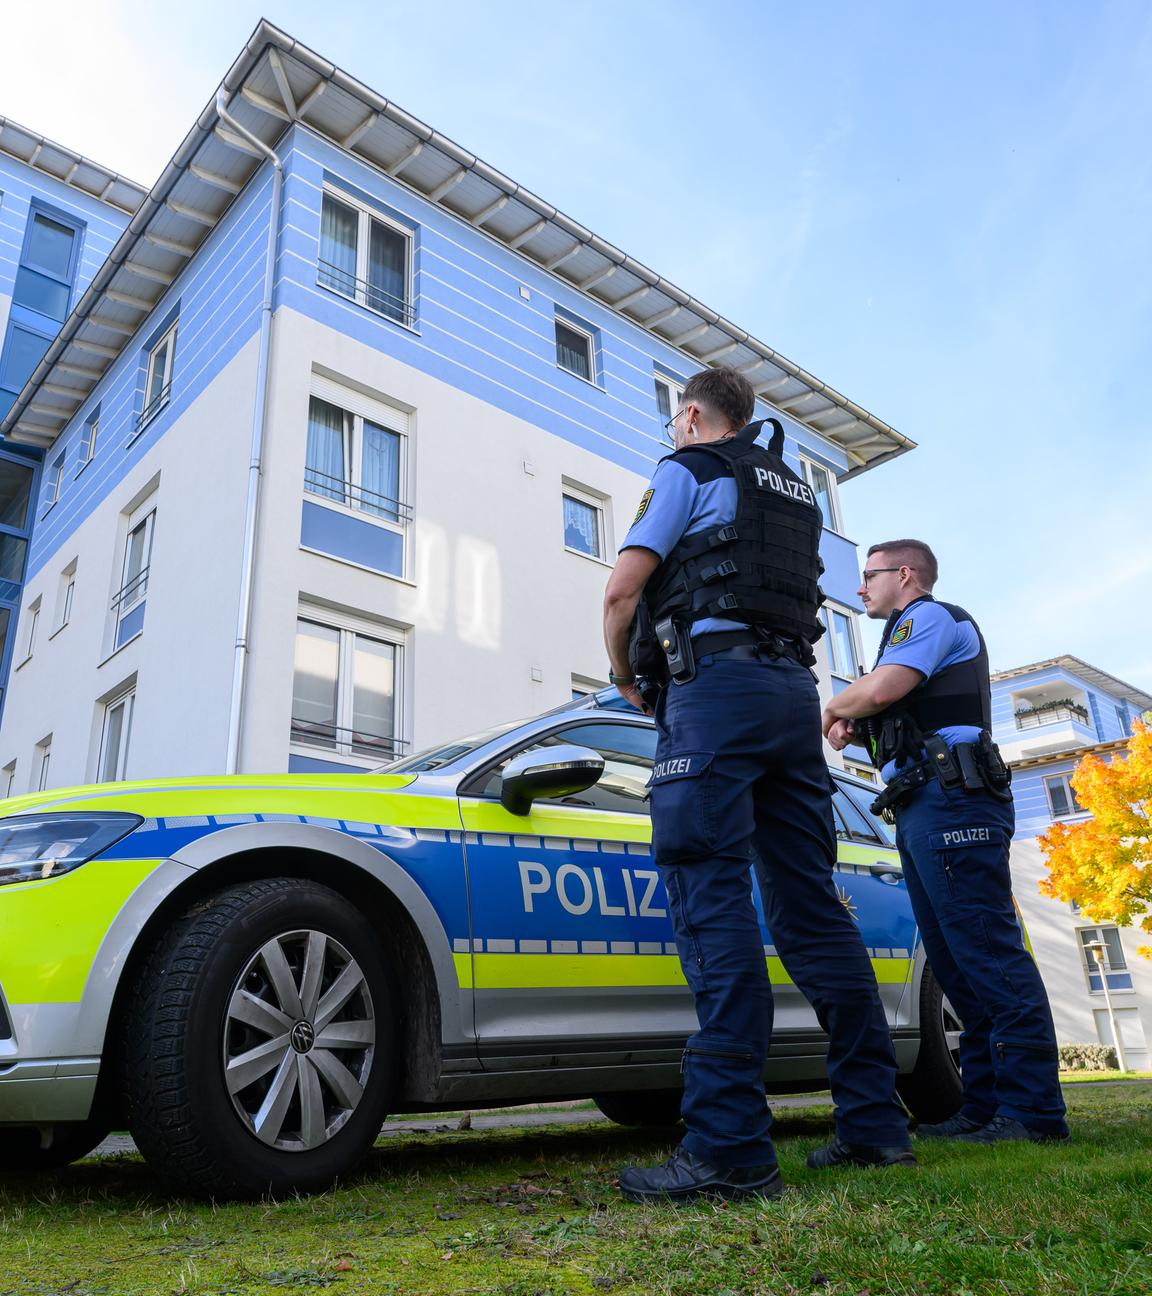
column 927, row 639
column 690, row 493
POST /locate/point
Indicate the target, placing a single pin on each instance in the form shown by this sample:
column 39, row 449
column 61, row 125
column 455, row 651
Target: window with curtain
column 364, row 258
column 326, row 455
column 380, row 472
column 582, row 526
column 574, row 350
column 356, row 461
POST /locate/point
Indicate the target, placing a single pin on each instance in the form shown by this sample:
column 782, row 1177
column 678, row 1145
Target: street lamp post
column 1099, row 952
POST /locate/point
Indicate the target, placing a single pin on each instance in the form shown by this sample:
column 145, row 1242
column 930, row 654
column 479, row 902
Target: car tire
column 932, row 1090
column 256, row 1047
column 650, row 1108
column 21, row 1150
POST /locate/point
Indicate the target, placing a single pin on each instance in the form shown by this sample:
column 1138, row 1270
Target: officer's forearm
column 873, row 692
column 619, row 610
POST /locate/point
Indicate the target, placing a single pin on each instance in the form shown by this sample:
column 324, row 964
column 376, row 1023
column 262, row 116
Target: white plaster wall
column 1052, row 929
column 183, row 660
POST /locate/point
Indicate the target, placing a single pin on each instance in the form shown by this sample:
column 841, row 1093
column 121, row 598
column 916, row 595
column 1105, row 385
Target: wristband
column 617, row 680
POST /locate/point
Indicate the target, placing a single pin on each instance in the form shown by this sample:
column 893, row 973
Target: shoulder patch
column 902, row 631
column 645, row 500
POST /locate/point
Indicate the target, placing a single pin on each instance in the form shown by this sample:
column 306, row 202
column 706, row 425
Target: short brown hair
column 724, row 391
column 914, row 554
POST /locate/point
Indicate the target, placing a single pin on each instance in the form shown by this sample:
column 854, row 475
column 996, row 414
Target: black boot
column 859, row 1154
column 952, row 1128
column 1004, row 1129
column 684, row 1176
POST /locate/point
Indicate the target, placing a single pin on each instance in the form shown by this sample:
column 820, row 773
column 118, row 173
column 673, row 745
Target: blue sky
column 942, row 211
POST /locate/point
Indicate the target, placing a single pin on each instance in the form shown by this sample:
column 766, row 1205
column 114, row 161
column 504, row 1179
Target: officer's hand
column 630, row 693
column 840, row 734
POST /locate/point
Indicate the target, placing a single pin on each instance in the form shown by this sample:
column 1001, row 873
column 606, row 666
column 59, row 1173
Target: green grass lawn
column 521, row 1212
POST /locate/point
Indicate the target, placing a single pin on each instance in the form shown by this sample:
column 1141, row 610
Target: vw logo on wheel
column 303, row 1036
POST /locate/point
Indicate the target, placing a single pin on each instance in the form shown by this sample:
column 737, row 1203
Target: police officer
column 925, row 713
column 724, row 551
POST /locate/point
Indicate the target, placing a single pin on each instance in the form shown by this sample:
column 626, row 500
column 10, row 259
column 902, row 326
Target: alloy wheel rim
column 299, row 1040
column 951, row 1026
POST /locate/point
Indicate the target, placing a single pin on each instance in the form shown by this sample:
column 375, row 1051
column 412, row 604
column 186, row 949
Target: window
column 668, row 397
column 344, row 696
column 583, row 522
column 64, row 596
column 114, row 739
column 865, row 772
column 5, row 623
column 23, row 351
column 158, row 379
column 853, row 822
column 842, row 657
column 355, row 461
column 128, row 602
column 1062, row 796
column 8, row 774
column 823, row 483
column 574, row 350
column 583, row 686
column 89, row 435
column 53, row 481
column 12, row 552
column 1115, row 965
column 32, row 620
column 47, row 265
column 15, row 489
column 43, row 761
column 365, row 258
column 1123, row 722
column 628, row 751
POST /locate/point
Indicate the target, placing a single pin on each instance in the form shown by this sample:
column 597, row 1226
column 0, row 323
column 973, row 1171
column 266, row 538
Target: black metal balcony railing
column 1050, row 715
column 366, row 501
column 154, row 406
column 332, row 737
column 131, row 592
column 366, row 293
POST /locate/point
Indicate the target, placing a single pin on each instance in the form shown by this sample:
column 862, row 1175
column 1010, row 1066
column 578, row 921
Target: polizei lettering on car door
column 581, row 891
column 784, row 485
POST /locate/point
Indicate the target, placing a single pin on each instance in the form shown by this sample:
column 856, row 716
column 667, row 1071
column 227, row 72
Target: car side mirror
column 548, row 772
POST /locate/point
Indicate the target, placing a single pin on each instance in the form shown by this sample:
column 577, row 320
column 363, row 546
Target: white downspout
column 255, row 466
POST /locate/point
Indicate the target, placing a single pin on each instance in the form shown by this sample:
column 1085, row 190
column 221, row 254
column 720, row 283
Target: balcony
column 365, row 293
column 1053, row 713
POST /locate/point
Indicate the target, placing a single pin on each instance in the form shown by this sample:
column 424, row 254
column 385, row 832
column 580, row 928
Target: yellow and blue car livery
column 501, row 949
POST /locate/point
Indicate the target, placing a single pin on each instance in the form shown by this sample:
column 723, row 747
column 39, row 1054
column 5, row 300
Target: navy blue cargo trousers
column 740, row 767
column 954, row 846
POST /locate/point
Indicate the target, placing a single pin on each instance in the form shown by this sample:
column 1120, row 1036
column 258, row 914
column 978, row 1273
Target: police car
column 250, row 973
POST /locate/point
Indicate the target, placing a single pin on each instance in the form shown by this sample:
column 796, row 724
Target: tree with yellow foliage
column 1104, row 863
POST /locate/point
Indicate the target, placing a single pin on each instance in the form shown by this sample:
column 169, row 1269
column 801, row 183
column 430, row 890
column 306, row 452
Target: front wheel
column 256, row 1049
column 932, row 1090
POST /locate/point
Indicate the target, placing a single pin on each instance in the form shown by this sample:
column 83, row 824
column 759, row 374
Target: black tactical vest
column 959, row 695
column 763, row 567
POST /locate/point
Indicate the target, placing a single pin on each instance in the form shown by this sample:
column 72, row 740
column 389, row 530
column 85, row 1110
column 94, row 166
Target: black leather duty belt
column 744, row 645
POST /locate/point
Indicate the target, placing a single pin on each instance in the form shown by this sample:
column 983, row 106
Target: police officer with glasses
column 924, row 712
column 717, row 580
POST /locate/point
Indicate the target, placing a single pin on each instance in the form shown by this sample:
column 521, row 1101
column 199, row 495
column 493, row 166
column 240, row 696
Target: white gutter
column 255, row 465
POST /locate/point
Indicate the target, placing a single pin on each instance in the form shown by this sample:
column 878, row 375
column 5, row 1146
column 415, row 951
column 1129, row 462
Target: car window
column 851, row 821
column 628, row 751
column 432, row 758
column 862, row 798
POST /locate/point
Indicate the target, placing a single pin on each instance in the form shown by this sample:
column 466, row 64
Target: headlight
column 45, row 846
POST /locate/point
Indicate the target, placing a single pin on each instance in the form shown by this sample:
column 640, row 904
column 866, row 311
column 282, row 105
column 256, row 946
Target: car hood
column 293, row 794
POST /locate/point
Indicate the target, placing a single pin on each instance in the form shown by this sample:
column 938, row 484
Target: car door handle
column 885, row 869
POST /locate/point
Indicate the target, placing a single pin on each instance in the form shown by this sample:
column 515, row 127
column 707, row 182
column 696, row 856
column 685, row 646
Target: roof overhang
column 70, row 168
column 1089, row 674
column 276, row 82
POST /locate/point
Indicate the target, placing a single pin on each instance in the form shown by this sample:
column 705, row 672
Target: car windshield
column 432, row 758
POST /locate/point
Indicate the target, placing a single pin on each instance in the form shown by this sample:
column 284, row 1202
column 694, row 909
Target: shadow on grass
column 126, row 1179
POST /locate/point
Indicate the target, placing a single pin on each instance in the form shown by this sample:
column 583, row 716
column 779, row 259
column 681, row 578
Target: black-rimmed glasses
column 875, row 571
